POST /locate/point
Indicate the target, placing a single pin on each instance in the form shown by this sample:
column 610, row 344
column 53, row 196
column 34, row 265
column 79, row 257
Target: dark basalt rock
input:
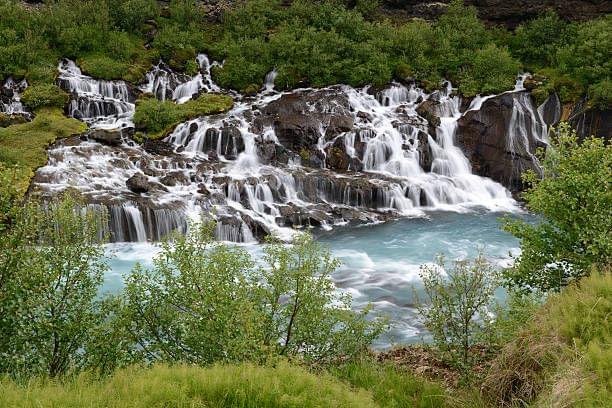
column 105, row 136
column 158, row 146
column 139, row 183
column 429, row 109
column 589, row 121
column 482, row 135
column 551, row 110
column 508, row 13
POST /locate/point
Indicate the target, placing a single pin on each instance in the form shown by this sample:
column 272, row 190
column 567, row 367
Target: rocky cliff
column 508, row 13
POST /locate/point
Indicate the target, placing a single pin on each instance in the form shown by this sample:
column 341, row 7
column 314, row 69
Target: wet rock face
column 589, row 121
column 498, row 141
column 299, row 118
column 508, row 13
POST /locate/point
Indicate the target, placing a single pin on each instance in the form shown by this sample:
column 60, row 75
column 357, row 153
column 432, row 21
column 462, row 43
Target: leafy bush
column 159, row 117
column 48, row 293
column 575, row 201
column 600, row 94
column 44, row 95
column 242, row 385
column 456, row 305
column 492, row 69
column 587, row 56
column 203, row 302
column 536, row 42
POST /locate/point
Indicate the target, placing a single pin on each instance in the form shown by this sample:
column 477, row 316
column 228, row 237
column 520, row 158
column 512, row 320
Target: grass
column 25, row 145
column 158, row 118
column 563, row 357
column 242, row 386
column 392, row 387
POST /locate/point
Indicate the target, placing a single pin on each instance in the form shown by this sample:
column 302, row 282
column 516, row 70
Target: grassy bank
column 188, row 386
column 25, row 145
column 563, row 356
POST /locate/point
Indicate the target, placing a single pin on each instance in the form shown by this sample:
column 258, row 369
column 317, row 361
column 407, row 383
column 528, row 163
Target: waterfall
column 269, row 81
column 351, row 156
column 102, row 104
column 10, row 96
column 164, row 83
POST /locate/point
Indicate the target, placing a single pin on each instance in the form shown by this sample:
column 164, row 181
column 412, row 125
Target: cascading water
column 102, row 104
column 164, row 83
column 275, row 162
column 10, row 97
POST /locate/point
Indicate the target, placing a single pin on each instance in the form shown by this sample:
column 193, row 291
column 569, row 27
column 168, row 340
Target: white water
column 13, row 105
column 102, row 104
column 223, row 165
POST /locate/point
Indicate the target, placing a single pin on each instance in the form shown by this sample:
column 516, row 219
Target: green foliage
column 491, row 69
column 587, row 57
column 44, row 95
column 390, row 386
column 574, row 199
column 48, row 292
column 13, row 184
column 302, row 312
column 536, row 42
column 244, row 385
column 456, row 306
column 600, row 94
column 160, row 117
column 204, row 302
column 194, row 305
column 562, row 355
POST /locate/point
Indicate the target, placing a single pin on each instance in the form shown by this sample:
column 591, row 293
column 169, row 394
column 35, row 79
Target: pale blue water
column 380, row 263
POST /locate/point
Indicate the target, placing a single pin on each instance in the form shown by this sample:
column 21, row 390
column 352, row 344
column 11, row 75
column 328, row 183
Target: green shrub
column 492, row 70
column 44, row 95
column 574, row 200
column 204, row 302
column 600, row 94
column 48, row 293
column 455, row 307
column 245, row 386
column 536, row 42
column 158, row 118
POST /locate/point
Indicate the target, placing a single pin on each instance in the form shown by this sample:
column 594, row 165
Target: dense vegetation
column 158, row 118
column 204, row 302
column 316, row 43
column 204, row 325
column 575, row 199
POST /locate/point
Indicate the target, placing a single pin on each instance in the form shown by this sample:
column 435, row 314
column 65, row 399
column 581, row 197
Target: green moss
column 44, row 95
column 245, row 386
column 158, row 118
column 25, row 145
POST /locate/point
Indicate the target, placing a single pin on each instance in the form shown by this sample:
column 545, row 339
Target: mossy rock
column 44, row 96
column 158, row 118
column 9, row 120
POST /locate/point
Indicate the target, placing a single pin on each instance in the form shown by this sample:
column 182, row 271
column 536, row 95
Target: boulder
column 110, row 137
column 138, row 183
column 429, row 110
